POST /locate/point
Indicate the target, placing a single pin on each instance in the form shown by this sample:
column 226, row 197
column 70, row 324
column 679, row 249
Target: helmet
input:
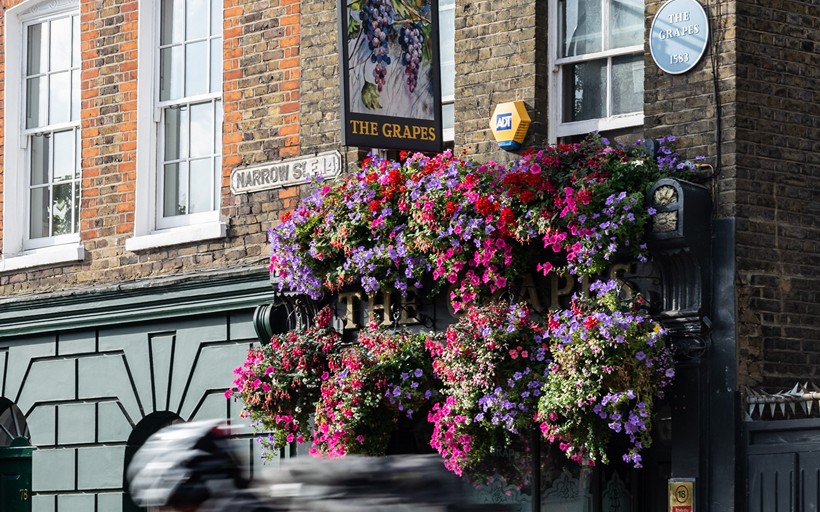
column 184, row 465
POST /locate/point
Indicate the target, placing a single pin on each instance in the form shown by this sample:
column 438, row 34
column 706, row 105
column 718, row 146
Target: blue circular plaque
column 679, row 34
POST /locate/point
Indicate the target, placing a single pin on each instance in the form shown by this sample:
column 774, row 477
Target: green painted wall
column 83, row 390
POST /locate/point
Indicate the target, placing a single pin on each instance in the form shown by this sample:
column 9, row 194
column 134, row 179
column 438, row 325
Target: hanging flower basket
column 280, row 382
column 609, row 363
column 384, row 377
column 492, row 364
column 306, row 386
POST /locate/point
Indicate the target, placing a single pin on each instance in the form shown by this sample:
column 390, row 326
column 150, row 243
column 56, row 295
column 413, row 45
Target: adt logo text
column 503, row 121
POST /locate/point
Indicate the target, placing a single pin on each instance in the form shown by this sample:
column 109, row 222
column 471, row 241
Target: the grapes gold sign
column 390, row 78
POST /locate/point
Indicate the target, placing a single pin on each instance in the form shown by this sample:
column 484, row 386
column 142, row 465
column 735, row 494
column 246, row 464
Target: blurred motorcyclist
column 190, row 467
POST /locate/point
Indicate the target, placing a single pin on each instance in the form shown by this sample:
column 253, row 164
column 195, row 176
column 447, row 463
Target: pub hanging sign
column 390, row 74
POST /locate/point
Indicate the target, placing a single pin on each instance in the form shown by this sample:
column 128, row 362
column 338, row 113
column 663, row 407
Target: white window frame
column 18, row 251
column 557, row 127
column 149, row 229
column 448, row 134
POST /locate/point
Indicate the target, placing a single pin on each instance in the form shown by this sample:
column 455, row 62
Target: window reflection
column 190, row 86
column 588, row 81
column 582, row 22
column 602, row 76
column 52, row 113
column 626, row 23
column 627, row 84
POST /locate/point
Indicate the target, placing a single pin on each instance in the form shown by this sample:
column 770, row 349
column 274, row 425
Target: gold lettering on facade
column 349, row 300
column 380, row 306
column 377, row 308
column 530, row 294
column 558, row 290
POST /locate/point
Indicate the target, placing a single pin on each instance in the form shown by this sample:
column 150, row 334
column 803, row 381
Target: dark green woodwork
column 694, row 253
column 783, row 465
column 85, row 368
column 135, row 302
column 15, row 479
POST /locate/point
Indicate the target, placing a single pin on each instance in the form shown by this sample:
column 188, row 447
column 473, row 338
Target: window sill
column 42, row 257
column 599, row 125
column 177, row 236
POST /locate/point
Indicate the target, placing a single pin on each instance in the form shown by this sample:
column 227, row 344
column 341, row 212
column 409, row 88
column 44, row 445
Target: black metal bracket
column 680, row 242
column 288, row 312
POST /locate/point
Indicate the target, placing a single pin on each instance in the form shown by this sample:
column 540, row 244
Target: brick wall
column 684, row 105
column 320, row 96
column 500, row 57
column 769, row 171
column 261, row 79
column 261, row 123
column 109, row 131
column 778, row 185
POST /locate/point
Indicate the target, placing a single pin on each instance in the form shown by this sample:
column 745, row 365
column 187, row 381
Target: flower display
column 382, row 377
column 492, row 364
column 343, row 398
column 353, row 232
column 582, row 377
column 475, row 228
column 609, row 364
column 280, row 382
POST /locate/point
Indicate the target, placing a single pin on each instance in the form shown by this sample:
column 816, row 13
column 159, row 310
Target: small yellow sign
column 682, row 495
column 509, row 124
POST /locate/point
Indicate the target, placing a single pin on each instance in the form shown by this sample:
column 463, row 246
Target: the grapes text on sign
column 679, row 35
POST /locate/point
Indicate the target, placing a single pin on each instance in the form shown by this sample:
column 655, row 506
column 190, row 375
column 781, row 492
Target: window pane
column 175, row 189
column 75, row 40
column 171, row 66
column 172, row 20
column 36, row 102
column 627, row 84
column 626, row 23
column 75, row 95
column 588, row 81
column 176, row 133
column 196, row 68
column 196, row 19
column 581, row 27
column 39, row 212
column 216, row 65
column 60, row 44
column 37, row 49
column 59, row 108
column 447, row 41
column 202, row 177
column 216, row 17
column 63, row 155
column 202, row 130
column 40, row 158
column 447, row 116
column 62, row 207
column 76, row 216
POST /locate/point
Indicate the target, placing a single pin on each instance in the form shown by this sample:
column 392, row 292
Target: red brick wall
column 261, row 98
column 109, row 127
